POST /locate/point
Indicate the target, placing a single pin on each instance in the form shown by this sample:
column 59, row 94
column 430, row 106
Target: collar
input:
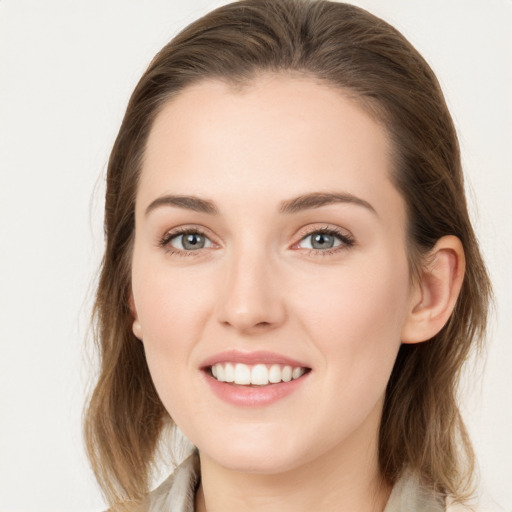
column 177, row 493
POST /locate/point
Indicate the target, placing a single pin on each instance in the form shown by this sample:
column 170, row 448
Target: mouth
column 254, row 379
column 255, row 375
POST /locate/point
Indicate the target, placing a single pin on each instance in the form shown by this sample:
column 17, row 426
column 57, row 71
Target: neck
column 345, row 479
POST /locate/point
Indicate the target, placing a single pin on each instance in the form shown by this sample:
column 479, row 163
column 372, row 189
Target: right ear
column 136, row 325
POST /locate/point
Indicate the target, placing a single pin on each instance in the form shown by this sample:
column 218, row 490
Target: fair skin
column 324, row 282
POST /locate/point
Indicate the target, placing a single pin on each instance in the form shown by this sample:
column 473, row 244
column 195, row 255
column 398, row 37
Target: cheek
column 356, row 317
column 170, row 306
column 355, row 323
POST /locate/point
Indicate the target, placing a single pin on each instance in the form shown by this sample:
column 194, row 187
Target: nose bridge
column 252, row 297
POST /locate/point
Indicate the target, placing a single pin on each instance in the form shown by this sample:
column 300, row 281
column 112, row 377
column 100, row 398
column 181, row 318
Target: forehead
column 266, row 99
column 287, row 133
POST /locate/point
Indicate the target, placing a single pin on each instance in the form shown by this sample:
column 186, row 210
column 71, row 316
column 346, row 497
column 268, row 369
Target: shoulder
column 483, row 504
column 457, row 507
column 409, row 494
column 177, row 492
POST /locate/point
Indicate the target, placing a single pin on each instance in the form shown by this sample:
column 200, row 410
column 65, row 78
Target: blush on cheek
column 360, row 315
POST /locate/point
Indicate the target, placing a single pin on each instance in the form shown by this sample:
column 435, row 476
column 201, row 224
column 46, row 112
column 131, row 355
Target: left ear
column 136, row 325
column 434, row 295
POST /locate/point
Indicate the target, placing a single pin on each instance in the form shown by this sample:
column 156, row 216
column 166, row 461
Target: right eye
column 189, row 241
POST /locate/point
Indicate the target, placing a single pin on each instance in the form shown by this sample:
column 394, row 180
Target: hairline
column 239, row 83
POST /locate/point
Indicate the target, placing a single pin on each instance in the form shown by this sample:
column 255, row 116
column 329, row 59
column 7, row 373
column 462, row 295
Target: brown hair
column 350, row 49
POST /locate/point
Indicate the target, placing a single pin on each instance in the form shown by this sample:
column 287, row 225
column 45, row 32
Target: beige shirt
column 177, row 493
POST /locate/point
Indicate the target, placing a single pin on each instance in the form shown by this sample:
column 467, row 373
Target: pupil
column 321, row 240
column 193, row 241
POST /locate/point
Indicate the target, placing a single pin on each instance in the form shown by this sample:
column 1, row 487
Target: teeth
column 221, row 373
column 229, row 373
column 257, row 375
column 274, row 375
column 242, row 374
column 297, row 372
column 287, row 373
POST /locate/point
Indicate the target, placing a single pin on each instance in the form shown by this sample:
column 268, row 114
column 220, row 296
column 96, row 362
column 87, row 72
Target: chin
column 255, row 461
column 258, row 454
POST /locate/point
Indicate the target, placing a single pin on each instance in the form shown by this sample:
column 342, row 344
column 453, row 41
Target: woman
column 290, row 274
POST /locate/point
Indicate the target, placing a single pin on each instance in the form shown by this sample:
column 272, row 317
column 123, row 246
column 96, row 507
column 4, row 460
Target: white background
column 66, row 71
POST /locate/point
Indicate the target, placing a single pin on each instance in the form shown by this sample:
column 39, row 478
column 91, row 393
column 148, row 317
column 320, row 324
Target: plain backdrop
column 67, row 69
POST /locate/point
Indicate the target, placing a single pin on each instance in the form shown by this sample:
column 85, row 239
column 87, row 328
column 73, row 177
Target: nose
column 252, row 299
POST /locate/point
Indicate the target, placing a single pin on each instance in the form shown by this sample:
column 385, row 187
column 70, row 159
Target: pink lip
column 252, row 396
column 235, row 356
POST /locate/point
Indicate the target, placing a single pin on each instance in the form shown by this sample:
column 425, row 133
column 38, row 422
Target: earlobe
column 136, row 325
column 436, row 292
column 137, row 329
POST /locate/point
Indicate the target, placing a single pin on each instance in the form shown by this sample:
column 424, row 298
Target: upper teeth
column 259, row 374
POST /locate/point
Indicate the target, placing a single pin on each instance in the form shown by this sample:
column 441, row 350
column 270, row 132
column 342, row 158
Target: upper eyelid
column 304, row 231
column 301, row 233
column 180, row 230
column 164, row 240
column 326, row 228
column 346, row 239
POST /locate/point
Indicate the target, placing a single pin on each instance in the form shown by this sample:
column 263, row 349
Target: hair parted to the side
column 356, row 52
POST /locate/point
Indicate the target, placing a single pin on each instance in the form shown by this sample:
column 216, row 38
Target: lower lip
column 253, row 396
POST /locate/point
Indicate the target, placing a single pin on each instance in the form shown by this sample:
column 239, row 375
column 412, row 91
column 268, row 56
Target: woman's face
column 269, row 246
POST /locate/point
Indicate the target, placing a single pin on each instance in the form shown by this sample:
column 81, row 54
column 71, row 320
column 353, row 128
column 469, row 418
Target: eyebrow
column 319, row 199
column 303, row 202
column 187, row 202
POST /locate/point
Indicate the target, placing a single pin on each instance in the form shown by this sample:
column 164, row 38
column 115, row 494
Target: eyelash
column 347, row 241
column 164, row 242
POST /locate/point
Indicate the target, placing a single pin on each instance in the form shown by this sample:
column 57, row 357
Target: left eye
column 320, row 240
column 191, row 241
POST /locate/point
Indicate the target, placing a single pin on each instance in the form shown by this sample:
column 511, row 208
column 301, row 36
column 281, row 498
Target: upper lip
column 251, row 358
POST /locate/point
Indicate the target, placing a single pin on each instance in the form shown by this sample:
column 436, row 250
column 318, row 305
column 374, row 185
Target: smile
column 254, row 379
column 255, row 375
